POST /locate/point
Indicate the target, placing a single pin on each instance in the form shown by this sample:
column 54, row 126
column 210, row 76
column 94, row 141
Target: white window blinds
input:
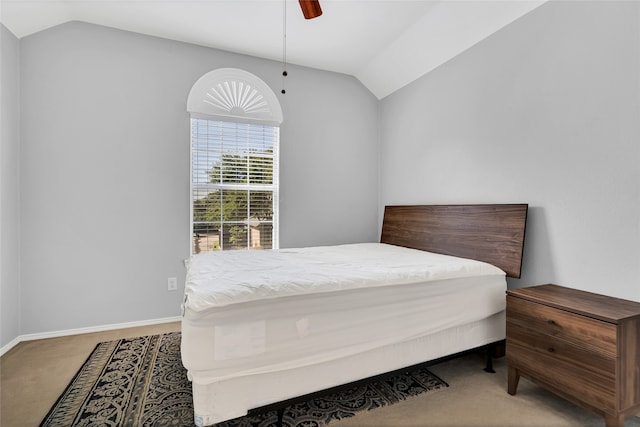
column 234, row 184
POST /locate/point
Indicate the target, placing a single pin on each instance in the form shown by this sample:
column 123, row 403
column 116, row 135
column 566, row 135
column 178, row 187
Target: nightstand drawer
column 577, row 376
column 581, row 330
column 596, row 363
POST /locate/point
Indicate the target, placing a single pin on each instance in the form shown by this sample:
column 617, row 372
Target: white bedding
column 252, row 315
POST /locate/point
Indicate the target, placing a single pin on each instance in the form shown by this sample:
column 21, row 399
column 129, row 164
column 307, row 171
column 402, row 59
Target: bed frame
column 493, row 233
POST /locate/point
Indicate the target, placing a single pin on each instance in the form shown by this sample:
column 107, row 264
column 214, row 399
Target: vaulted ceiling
column 386, row 44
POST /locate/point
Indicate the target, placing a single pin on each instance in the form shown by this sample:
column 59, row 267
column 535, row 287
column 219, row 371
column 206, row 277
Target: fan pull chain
column 284, row 43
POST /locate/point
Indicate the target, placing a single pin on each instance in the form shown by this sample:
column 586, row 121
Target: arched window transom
column 234, row 93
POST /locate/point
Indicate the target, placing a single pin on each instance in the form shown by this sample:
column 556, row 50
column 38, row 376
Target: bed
column 264, row 327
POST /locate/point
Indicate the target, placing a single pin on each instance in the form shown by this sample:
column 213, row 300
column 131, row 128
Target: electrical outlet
column 172, row 284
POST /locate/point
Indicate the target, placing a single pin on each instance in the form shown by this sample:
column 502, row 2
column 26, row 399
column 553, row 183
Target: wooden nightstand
column 582, row 346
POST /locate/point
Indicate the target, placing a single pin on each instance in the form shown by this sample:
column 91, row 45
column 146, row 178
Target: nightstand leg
column 513, row 376
column 614, row 420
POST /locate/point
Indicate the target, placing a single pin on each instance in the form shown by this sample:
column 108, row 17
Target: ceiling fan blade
column 310, row 8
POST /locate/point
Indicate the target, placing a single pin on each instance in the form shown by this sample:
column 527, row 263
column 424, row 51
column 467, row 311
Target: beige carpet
column 34, row 373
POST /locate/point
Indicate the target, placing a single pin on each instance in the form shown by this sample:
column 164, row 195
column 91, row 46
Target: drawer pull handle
column 551, row 349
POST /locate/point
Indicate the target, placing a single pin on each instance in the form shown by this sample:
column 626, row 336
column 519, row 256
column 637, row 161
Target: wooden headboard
column 489, row 233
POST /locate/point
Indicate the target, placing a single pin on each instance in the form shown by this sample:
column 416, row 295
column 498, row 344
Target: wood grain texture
column 580, row 345
column 587, row 376
column 489, row 233
column 630, row 365
column 590, row 333
column 599, row 306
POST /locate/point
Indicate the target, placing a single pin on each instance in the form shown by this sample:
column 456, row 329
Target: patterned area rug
column 141, row 382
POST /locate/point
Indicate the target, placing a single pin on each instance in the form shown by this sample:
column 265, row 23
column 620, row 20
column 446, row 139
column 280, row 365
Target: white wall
column 546, row 112
column 9, row 188
column 105, row 169
column 328, row 160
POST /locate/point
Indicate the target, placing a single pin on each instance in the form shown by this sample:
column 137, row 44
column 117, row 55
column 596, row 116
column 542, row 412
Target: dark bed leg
column 490, row 349
column 280, row 413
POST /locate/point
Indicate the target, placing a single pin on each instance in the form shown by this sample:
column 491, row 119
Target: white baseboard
column 88, row 330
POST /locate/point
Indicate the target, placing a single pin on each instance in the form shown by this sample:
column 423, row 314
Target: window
column 235, row 139
column 234, row 185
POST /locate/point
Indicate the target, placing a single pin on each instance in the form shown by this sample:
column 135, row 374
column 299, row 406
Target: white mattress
column 217, row 279
column 248, row 313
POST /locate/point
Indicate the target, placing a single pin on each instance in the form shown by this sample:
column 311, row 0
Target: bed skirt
column 227, row 399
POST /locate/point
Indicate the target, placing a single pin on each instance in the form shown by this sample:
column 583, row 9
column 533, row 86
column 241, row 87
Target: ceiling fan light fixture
column 310, row 8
